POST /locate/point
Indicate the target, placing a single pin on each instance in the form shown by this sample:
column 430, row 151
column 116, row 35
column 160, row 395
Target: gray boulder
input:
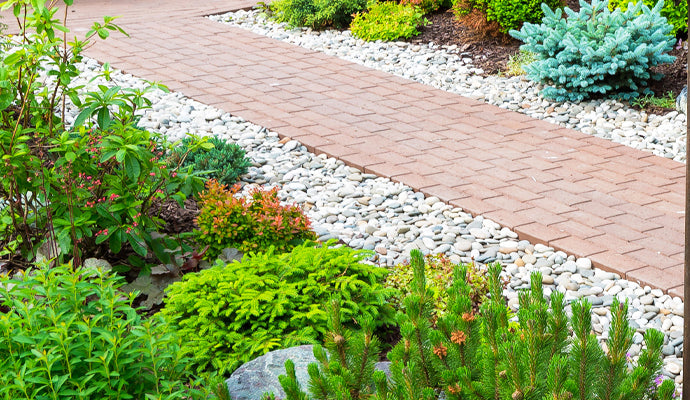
column 259, row 376
column 682, row 101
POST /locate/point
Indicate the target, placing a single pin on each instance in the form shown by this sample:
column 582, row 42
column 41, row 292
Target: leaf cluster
column 438, row 273
column 233, row 313
column 252, row 223
column 508, row 14
column 428, row 6
column 70, row 334
column 388, row 21
column 222, row 161
column 675, row 12
column 316, row 14
column 484, row 355
column 596, row 51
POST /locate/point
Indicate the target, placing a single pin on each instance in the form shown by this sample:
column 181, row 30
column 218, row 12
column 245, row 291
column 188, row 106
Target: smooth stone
column 584, row 263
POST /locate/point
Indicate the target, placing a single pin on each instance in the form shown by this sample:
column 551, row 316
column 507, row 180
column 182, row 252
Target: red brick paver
column 583, row 195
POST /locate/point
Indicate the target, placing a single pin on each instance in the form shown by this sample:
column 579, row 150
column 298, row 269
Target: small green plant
column 596, row 51
column 70, row 334
column 232, row 313
column 317, row 14
column 223, row 161
column 248, row 224
column 439, row 277
column 388, row 21
column 667, row 101
column 675, row 12
column 508, row 14
column 517, row 61
column 482, row 355
column 428, row 6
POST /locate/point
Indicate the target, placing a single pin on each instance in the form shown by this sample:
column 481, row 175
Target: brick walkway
column 621, row 207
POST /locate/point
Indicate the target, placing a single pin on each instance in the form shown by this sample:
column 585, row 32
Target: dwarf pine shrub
column 596, row 51
column 484, row 355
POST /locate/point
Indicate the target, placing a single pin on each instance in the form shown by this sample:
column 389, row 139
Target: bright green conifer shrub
column 232, row 313
column 388, row 21
column 472, row 356
column 596, row 51
column 317, row 14
column 248, row 224
column 70, row 334
column 224, row 161
column 427, row 6
column 675, row 12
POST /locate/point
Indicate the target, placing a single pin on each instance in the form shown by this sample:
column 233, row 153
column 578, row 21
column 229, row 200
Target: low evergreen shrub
column 70, row 334
column 217, row 159
column 508, row 14
column 675, row 12
column 484, row 355
column 388, row 21
column 439, row 277
column 317, row 14
column 248, row 224
column 596, row 51
column 232, row 313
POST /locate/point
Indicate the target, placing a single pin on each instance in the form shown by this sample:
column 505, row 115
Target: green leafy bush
column 70, row 334
column 428, row 6
column 233, row 313
column 248, row 224
column 317, row 14
column 439, row 277
column 217, row 159
column 482, row 355
column 81, row 188
column 508, row 14
column 596, row 51
column 388, row 21
column 675, row 12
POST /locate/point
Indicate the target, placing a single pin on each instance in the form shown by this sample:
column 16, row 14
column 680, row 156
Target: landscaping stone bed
column 366, row 211
column 448, row 69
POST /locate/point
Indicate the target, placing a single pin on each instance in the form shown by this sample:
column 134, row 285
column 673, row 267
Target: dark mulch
column 490, row 51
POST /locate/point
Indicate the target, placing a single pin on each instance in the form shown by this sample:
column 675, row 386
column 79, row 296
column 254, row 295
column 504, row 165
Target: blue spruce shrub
column 596, row 51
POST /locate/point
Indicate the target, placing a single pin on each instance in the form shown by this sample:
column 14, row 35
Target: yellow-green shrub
column 388, row 21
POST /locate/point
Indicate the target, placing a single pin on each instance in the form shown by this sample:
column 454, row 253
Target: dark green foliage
column 388, row 21
column 596, row 51
column 70, row 334
column 508, row 14
column 675, row 12
column 233, row 313
column 224, row 162
column 317, row 14
column 484, row 356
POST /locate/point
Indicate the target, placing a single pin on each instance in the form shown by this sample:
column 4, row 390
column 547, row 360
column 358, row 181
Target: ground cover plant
column 232, row 313
column 596, row 51
column 482, row 355
column 438, row 273
column 80, row 189
column 387, row 21
column 69, row 333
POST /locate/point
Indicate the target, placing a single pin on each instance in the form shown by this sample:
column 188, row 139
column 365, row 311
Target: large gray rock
column 682, row 101
column 259, row 376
